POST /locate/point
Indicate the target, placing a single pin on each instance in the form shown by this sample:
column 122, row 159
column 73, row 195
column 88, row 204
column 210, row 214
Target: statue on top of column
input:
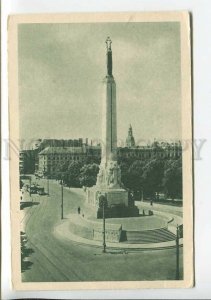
column 108, row 43
column 109, row 56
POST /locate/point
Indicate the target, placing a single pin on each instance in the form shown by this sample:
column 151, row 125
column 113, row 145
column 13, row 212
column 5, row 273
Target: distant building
column 51, row 153
column 27, row 161
column 130, row 141
column 52, row 157
column 61, row 143
column 161, row 151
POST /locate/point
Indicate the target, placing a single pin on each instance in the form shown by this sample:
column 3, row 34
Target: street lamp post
column 104, row 243
column 48, row 186
column 62, row 200
column 30, row 187
column 177, row 253
column 102, row 201
column 47, row 180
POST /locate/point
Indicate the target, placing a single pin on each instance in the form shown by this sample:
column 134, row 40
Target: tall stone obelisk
column 109, row 166
column 109, row 118
column 109, row 177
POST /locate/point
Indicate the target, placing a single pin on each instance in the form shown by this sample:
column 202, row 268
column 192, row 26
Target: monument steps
column 148, row 236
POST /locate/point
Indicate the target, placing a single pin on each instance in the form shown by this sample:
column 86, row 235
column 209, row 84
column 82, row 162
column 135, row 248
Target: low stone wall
column 94, row 230
column 110, row 235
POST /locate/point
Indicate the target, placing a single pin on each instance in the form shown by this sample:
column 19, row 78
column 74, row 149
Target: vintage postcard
column 101, row 151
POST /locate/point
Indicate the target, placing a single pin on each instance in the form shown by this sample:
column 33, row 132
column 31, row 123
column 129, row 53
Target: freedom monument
column 109, row 185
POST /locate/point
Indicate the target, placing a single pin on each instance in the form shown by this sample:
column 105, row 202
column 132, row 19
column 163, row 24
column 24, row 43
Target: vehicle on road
column 40, row 190
column 36, row 189
column 33, row 189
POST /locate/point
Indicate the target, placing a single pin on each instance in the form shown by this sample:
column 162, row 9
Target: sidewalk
column 160, row 207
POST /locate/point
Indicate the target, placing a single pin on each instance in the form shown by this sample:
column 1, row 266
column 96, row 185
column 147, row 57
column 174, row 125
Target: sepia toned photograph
column 100, row 151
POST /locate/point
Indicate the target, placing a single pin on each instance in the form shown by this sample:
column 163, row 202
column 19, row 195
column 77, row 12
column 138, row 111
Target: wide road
column 55, row 260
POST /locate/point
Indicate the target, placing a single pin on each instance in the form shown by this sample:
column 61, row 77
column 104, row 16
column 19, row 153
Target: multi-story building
column 27, row 161
column 53, row 157
column 157, row 149
column 51, row 153
column 169, row 151
column 60, row 143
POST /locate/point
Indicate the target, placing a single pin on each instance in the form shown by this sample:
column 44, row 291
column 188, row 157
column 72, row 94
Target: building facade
column 27, row 161
column 50, row 154
column 169, row 151
column 52, row 157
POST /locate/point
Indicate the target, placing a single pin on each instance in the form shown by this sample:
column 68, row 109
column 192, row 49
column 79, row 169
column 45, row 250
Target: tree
column 61, row 171
column 88, row 174
column 153, row 176
column 124, row 166
column 172, row 180
column 92, row 160
column 72, row 174
column 134, row 179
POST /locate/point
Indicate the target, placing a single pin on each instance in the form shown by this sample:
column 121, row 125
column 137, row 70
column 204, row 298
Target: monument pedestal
column 116, row 203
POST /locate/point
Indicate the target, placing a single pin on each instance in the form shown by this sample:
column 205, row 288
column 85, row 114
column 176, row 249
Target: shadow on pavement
column 112, row 252
column 28, row 204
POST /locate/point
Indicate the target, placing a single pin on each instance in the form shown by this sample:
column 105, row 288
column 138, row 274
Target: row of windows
column 147, row 155
column 126, row 154
column 135, row 154
column 61, row 158
column 74, row 158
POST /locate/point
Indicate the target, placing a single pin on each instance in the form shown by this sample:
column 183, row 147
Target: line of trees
column 149, row 177
column 77, row 174
column 153, row 177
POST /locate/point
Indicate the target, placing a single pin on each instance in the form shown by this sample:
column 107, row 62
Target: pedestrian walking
column 79, row 210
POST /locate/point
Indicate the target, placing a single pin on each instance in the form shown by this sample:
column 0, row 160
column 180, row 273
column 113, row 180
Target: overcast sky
column 61, row 68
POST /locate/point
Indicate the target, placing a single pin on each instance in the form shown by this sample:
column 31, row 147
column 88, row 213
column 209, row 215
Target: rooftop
column 61, row 150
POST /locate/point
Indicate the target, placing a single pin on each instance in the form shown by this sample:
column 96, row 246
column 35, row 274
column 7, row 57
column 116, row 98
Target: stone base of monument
column 117, row 204
column 118, row 211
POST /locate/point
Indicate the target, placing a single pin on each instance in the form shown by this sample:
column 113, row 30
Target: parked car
column 40, row 190
column 33, row 189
